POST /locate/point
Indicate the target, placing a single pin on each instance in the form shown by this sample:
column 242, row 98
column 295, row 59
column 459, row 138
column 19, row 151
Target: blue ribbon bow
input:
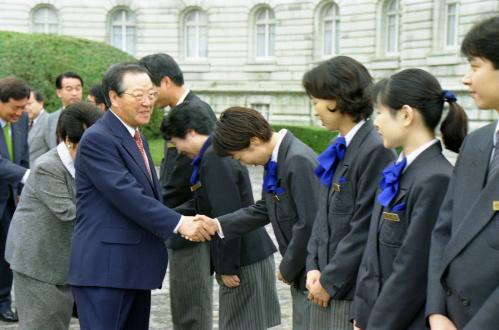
column 196, row 162
column 270, row 179
column 390, row 182
column 329, row 159
column 449, row 96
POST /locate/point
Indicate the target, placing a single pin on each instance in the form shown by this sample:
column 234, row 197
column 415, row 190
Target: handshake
column 198, row 228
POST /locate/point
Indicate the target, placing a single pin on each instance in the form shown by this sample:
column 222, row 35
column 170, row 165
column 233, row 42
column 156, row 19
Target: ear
column 113, row 97
column 165, row 82
column 408, row 114
column 58, row 92
column 254, row 141
column 190, row 132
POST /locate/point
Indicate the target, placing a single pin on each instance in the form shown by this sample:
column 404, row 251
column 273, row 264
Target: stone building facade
column 254, row 52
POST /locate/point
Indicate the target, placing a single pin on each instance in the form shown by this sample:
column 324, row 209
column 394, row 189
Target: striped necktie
column 8, row 140
column 494, row 163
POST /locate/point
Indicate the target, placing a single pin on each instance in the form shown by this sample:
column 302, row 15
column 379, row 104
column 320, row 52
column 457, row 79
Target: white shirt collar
column 38, row 117
column 2, row 123
column 184, row 95
column 351, row 134
column 495, row 133
column 280, row 136
column 67, row 160
column 129, row 128
column 413, row 155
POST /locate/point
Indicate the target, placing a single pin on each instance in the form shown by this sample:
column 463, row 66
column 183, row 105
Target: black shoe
column 8, row 316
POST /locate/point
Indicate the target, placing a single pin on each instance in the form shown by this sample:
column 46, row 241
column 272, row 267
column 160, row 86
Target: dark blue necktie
column 390, row 182
column 196, row 162
column 329, row 159
column 270, row 179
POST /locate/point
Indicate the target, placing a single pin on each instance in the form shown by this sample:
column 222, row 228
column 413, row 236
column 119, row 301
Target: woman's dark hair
column 422, row 91
column 236, row 127
column 75, row 119
column 482, row 41
column 185, row 117
column 344, row 80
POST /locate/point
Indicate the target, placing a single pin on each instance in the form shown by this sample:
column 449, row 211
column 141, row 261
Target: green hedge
column 315, row 137
column 40, row 58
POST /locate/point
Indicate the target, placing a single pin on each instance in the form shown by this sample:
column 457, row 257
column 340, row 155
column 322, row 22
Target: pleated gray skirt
column 191, row 288
column 336, row 316
column 253, row 305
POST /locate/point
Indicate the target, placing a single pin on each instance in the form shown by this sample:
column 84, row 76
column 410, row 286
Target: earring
column 69, row 145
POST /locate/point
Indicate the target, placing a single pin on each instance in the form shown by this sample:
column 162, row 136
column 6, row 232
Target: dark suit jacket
column 226, row 187
column 292, row 216
column 390, row 289
column 464, row 261
column 340, row 229
column 12, row 171
column 175, row 172
column 121, row 222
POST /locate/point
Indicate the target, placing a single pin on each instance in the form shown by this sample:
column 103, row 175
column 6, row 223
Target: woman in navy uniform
column 393, row 275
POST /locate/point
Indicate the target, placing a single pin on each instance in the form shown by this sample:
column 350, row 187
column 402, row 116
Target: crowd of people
column 370, row 239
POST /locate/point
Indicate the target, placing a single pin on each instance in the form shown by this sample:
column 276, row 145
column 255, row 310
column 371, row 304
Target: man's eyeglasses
column 141, row 96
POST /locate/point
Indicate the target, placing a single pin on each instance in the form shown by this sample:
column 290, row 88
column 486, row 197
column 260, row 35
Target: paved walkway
column 160, row 311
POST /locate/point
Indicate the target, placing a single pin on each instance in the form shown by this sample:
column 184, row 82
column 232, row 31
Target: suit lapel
column 129, row 144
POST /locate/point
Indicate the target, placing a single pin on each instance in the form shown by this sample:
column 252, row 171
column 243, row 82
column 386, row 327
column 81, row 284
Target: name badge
column 170, row 145
column 276, row 198
column 495, row 206
column 336, row 187
column 394, row 217
column 195, row 186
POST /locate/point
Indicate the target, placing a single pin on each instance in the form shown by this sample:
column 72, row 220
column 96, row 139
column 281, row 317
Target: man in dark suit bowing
column 118, row 253
column 14, row 163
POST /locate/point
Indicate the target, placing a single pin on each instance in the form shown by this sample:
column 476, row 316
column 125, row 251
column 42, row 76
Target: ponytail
column 455, row 125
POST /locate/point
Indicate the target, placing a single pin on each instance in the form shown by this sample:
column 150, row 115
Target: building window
column 451, row 24
column 392, row 27
column 263, row 109
column 265, row 33
column 330, row 30
column 123, row 31
column 45, row 20
column 196, row 35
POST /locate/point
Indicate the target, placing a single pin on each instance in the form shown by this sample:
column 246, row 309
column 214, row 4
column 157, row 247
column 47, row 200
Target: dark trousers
column 5, row 271
column 109, row 308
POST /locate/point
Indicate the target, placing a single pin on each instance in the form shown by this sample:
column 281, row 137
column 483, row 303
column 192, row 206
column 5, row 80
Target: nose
column 466, row 79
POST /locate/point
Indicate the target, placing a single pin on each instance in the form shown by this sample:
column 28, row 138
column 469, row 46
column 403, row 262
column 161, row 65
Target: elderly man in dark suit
column 14, row 164
column 189, row 263
column 118, row 253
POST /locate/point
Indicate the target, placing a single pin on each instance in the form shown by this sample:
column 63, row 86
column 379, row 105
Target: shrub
column 315, row 137
column 40, row 58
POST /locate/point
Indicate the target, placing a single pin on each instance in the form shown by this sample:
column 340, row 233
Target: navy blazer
column 12, row 171
column 121, row 222
column 464, row 261
column 340, row 230
column 393, row 274
column 226, row 187
column 292, row 215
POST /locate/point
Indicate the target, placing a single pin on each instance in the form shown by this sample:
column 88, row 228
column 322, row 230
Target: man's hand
column 440, row 322
column 231, row 281
column 318, row 294
column 193, row 230
column 209, row 224
column 282, row 279
column 312, row 277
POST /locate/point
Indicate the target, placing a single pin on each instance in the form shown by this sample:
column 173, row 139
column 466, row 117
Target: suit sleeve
column 244, row 220
column 338, row 277
column 220, row 177
column 312, row 247
column 11, row 172
column 402, row 297
column 51, row 188
column 175, row 173
column 304, row 187
column 98, row 155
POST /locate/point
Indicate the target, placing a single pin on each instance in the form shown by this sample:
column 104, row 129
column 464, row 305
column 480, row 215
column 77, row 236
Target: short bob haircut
column 344, row 80
column 185, row 117
column 75, row 119
column 236, row 127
